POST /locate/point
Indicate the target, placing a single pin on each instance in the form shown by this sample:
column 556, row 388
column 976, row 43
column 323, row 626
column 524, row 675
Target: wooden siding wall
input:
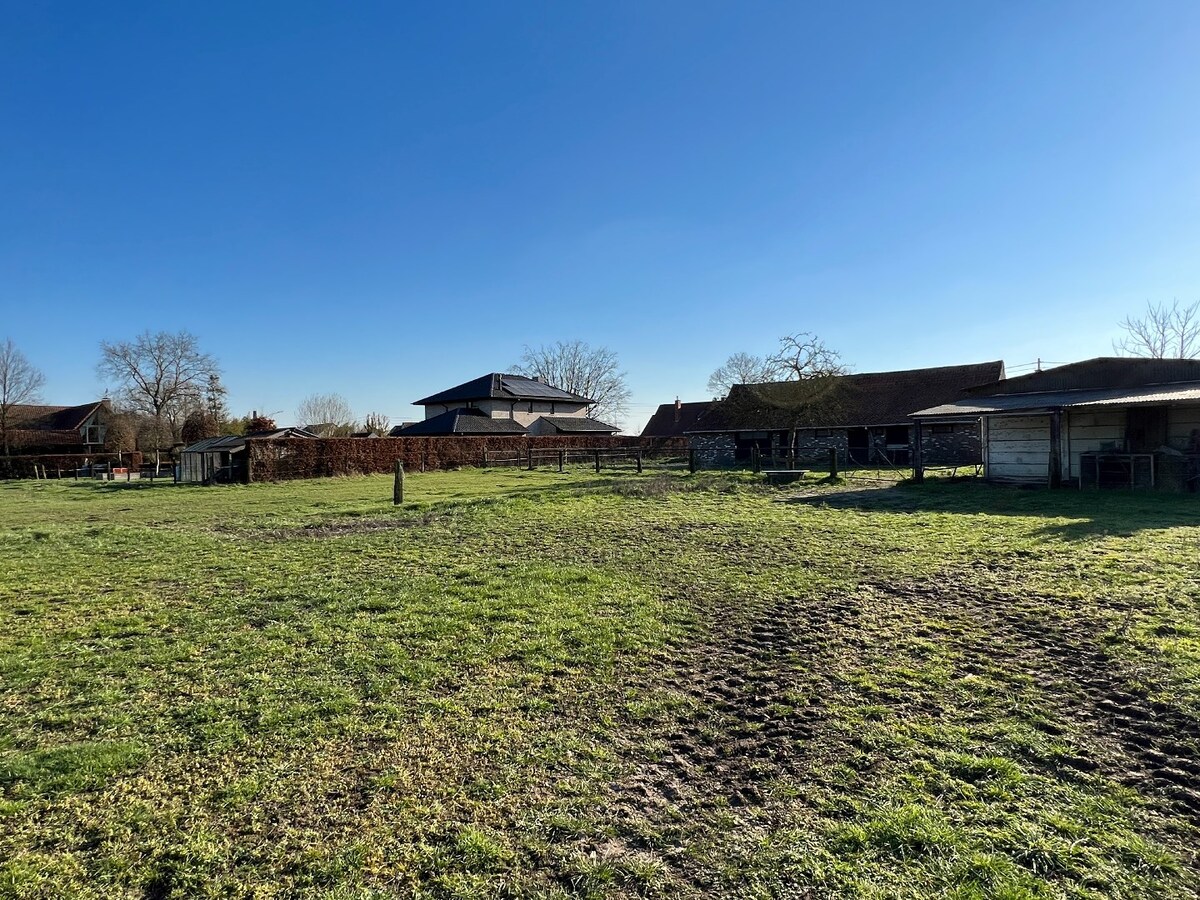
column 1087, row 432
column 1018, row 448
column 1180, row 422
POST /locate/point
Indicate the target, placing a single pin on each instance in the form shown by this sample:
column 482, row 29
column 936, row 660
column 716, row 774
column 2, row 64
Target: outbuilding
column 222, row 460
column 1105, row 422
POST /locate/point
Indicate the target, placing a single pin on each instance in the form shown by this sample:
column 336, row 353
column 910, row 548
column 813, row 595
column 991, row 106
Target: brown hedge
column 291, row 458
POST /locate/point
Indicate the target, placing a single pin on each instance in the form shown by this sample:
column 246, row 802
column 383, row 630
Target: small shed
column 212, row 460
column 222, row 460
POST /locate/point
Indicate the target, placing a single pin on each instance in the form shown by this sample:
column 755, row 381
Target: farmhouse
column 1101, row 422
column 58, row 429
column 497, row 403
column 866, row 417
column 222, row 460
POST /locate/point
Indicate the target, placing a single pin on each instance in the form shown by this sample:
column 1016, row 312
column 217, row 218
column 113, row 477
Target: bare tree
column 161, row 375
column 20, row 383
column 377, row 423
column 329, row 415
column 575, row 366
column 804, row 355
column 742, row 368
column 1163, row 332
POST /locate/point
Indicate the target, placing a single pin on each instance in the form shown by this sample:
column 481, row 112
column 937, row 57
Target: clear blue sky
column 386, row 199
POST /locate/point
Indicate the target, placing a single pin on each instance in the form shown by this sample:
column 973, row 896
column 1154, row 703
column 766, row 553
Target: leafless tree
column 742, row 368
column 329, row 415
column 20, row 383
column 161, row 375
column 804, row 355
column 1163, row 332
column 575, row 366
column 377, row 423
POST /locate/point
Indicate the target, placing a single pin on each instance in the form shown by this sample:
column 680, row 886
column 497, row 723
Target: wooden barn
column 1105, row 422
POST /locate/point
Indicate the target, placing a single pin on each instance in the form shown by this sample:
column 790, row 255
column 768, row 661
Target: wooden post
column 1056, row 448
column 485, row 458
column 755, row 459
column 562, row 458
column 398, row 487
column 597, row 462
column 639, row 460
column 530, row 454
column 833, row 470
column 692, row 460
column 918, row 460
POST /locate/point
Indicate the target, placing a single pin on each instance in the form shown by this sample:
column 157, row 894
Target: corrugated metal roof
column 1148, row 395
column 224, row 442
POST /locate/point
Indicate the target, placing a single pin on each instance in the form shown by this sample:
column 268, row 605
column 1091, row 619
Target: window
column 941, row 429
column 91, row 434
column 824, row 432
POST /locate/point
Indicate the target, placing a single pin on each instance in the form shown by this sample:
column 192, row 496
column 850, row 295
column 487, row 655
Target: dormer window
column 91, row 434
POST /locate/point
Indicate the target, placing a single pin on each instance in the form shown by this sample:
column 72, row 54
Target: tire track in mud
column 738, row 673
column 1159, row 745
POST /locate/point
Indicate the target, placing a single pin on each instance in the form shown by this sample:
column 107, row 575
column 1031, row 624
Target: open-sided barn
column 1108, row 421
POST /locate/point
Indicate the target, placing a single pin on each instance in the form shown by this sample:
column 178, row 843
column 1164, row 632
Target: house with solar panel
column 499, row 403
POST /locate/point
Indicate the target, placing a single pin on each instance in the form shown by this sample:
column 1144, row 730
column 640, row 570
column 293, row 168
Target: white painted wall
column 1018, row 448
column 1088, row 431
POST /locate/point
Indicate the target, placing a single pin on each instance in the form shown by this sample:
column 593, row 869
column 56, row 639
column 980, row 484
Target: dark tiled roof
column 460, row 421
column 52, row 418
column 845, row 401
column 665, row 423
column 571, row 424
column 1103, row 372
column 498, row 386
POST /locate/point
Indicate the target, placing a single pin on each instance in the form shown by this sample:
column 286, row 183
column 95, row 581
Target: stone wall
column 959, row 447
column 713, row 450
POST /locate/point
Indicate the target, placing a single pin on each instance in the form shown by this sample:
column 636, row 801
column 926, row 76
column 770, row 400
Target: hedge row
column 291, row 458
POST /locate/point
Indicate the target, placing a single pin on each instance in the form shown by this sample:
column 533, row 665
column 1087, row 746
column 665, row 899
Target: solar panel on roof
column 527, row 387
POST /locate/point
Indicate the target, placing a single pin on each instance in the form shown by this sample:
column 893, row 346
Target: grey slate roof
column 569, row 424
column 459, row 421
column 498, row 386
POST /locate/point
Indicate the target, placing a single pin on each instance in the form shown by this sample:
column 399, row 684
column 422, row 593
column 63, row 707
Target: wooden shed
column 1107, row 422
column 222, row 460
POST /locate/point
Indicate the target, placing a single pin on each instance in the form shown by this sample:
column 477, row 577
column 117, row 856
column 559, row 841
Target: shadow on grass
column 1078, row 515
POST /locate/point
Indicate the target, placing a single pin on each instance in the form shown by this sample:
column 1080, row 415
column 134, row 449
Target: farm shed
column 866, row 417
column 222, row 460
column 1106, row 422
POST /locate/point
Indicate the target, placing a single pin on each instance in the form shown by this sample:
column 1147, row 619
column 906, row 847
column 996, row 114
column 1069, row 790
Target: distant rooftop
column 499, row 386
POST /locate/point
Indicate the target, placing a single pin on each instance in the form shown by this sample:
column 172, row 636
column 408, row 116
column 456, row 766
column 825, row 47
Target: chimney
column 678, row 409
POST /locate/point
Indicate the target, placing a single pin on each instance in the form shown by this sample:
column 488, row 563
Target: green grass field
column 533, row 684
